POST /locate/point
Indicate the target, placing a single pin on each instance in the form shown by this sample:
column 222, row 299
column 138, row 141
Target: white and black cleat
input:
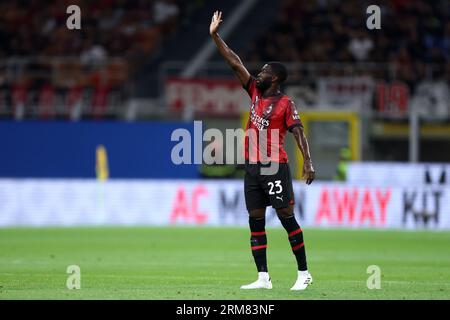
column 304, row 279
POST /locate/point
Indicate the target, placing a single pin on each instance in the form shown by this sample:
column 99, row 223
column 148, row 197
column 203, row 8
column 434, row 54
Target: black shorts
column 264, row 190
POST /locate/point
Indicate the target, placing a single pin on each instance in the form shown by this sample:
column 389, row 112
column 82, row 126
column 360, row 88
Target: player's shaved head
column 279, row 70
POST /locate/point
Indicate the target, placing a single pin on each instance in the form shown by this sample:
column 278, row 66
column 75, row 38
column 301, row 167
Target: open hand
column 215, row 22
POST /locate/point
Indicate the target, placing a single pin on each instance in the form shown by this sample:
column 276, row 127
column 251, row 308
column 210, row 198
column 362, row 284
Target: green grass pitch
column 212, row 263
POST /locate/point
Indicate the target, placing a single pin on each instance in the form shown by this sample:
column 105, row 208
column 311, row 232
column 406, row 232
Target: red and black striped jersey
column 268, row 114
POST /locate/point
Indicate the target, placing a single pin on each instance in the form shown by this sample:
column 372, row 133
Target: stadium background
column 86, row 118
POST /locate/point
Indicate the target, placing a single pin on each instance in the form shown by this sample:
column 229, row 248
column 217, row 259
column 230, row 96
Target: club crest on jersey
column 267, row 111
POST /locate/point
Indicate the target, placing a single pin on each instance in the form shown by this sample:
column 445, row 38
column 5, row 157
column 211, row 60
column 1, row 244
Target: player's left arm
column 300, row 138
column 294, row 124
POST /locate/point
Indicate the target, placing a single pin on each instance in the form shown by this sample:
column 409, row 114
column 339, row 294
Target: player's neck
column 272, row 92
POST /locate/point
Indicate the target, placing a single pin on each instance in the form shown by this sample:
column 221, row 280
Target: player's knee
column 285, row 212
column 257, row 213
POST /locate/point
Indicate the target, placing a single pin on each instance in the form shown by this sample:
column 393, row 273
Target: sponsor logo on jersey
column 258, row 121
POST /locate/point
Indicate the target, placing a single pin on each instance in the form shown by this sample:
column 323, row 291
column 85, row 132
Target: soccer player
column 270, row 110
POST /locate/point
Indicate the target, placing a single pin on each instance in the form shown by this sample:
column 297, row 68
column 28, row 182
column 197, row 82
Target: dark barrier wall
column 68, row 149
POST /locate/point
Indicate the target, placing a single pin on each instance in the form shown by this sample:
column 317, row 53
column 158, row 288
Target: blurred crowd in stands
column 414, row 34
column 115, row 38
column 109, row 28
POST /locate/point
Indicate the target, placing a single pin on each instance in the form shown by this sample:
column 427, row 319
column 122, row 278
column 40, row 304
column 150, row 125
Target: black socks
column 258, row 242
column 296, row 239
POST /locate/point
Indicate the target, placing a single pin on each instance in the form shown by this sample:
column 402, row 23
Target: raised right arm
column 232, row 58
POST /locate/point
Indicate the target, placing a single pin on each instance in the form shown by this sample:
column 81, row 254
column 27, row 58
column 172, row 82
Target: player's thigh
column 278, row 187
column 255, row 196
